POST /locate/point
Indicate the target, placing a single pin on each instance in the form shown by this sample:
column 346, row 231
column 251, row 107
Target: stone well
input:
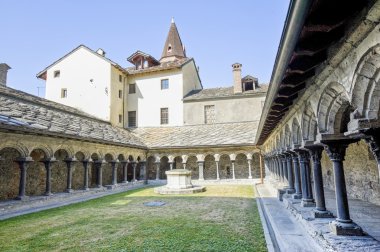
column 179, row 182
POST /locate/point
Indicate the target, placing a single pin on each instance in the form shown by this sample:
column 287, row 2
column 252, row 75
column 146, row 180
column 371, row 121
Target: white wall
column 191, row 79
column 149, row 98
column 77, row 70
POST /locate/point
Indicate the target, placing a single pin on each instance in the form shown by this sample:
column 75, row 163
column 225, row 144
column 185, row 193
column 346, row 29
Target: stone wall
column 361, row 173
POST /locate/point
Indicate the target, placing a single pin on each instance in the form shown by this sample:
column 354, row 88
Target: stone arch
column 209, row 167
column 296, row 132
column 9, row 172
column 178, row 163
column 365, row 89
column 192, row 165
column 241, row 166
column 333, row 108
column 47, row 151
column 69, row 150
column 21, row 149
column 287, row 136
column 309, row 124
column 164, row 166
column 225, row 169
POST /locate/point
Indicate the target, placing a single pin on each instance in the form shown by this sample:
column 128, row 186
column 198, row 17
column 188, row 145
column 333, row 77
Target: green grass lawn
column 224, row 218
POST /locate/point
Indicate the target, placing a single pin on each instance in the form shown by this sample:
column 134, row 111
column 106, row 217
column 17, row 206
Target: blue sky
column 215, row 33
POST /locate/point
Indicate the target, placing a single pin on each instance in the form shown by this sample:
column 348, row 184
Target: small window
column 164, row 115
column 169, row 48
column 132, row 88
column 209, row 114
column 120, row 78
column 64, row 93
column 131, row 118
column 57, row 74
column 248, row 86
column 165, row 84
column 120, row 118
column 120, row 94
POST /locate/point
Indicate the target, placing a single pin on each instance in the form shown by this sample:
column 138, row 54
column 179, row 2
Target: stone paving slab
column 290, row 235
column 12, row 208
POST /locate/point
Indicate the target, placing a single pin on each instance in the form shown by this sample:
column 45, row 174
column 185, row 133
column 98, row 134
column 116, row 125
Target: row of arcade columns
column 291, row 167
column 23, row 164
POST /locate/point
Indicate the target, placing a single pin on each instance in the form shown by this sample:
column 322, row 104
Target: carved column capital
column 315, row 152
column 336, row 151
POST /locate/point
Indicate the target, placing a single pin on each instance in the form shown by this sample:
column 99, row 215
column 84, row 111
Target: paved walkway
column 286, row 232
column 12, row 208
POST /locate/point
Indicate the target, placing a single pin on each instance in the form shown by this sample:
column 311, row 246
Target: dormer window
column 169, row 48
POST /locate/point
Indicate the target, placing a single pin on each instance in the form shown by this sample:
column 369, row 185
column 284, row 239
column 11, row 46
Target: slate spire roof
column 173, row 48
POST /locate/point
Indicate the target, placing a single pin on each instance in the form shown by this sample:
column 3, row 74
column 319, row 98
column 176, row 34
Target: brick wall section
column 361, row 173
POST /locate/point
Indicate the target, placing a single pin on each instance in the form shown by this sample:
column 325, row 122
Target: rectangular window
column 131, row 118
column 120, row 118
column 164, row 115
column 64, row 93
column 165, row 84
column 120, row 78
column 57, row 73
column 209, row 114
column 132, row 88
column 120, row 94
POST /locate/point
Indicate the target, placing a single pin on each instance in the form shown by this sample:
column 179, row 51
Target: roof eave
column 297, row 13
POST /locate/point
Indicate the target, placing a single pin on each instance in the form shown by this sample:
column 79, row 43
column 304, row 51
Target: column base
column 322, row 214
column 48, row 194
column 249, row 177
column 86, row 189
column 99, row 186
column 349, row 229
column 297, row 196
column 111, row 187
column 22, row 198
column 69, row 190
column 307, row 203
column 201, row 179
column 280, row 194
column 290, row 191
column 124, row 182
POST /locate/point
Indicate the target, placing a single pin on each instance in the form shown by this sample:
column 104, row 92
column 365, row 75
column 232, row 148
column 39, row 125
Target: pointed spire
column 173, row 48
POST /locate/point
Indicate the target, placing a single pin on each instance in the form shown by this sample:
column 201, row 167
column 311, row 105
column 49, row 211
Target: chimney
column 3, row 74
column 100, row 51
column 236, row 70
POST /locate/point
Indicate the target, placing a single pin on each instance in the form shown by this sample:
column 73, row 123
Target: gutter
column 295, row 19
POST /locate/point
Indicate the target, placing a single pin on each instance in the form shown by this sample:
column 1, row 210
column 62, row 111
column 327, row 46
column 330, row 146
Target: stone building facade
column 320, row 123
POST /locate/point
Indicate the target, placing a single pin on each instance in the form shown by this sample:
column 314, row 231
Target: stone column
column 249, row 160
column 158, row 170
column 143, row 172
column 284, row 170
column 307, row 195
column 233, row 169
column 343, row 225
column 217, row 159
column 85, row 175
column 114, row 172
column 134, row 165
column 23, row 165
column 279, row 165
column 124, row 164
column 201, row 166
column 99, row 177
column 289, row 169
column 69, row 162
column 47, row 163
column 184, row 165
column 171, row 165
column 320, row 209
column 297, row 178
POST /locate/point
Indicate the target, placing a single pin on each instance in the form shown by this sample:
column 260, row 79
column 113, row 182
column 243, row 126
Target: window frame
column 63, row 93
column 163, row 86
column 57, row 74
column 129, row 117
column 129, row 88
column 206, row 119
column 120, row 94
column 163, row 112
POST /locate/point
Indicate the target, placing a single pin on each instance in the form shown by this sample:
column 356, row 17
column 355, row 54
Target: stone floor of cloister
column 365, row 214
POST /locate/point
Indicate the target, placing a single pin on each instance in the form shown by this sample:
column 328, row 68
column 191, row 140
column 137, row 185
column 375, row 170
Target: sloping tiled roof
column 214, row 93
column 163, row 66
column 206, row 135
column 25, row 112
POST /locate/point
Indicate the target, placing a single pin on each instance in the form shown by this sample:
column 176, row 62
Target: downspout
column 295, row 19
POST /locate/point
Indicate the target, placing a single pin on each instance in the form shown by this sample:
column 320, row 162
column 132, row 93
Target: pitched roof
column 173, row 41
column 205, row 135
column 163, row 66
column 142, row 54
column 23, row 112
column 222, row 92
column 43, row 72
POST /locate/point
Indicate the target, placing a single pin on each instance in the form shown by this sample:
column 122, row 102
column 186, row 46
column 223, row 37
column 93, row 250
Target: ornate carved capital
column 336, row 151
column 303, row 156
column 315, row 153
